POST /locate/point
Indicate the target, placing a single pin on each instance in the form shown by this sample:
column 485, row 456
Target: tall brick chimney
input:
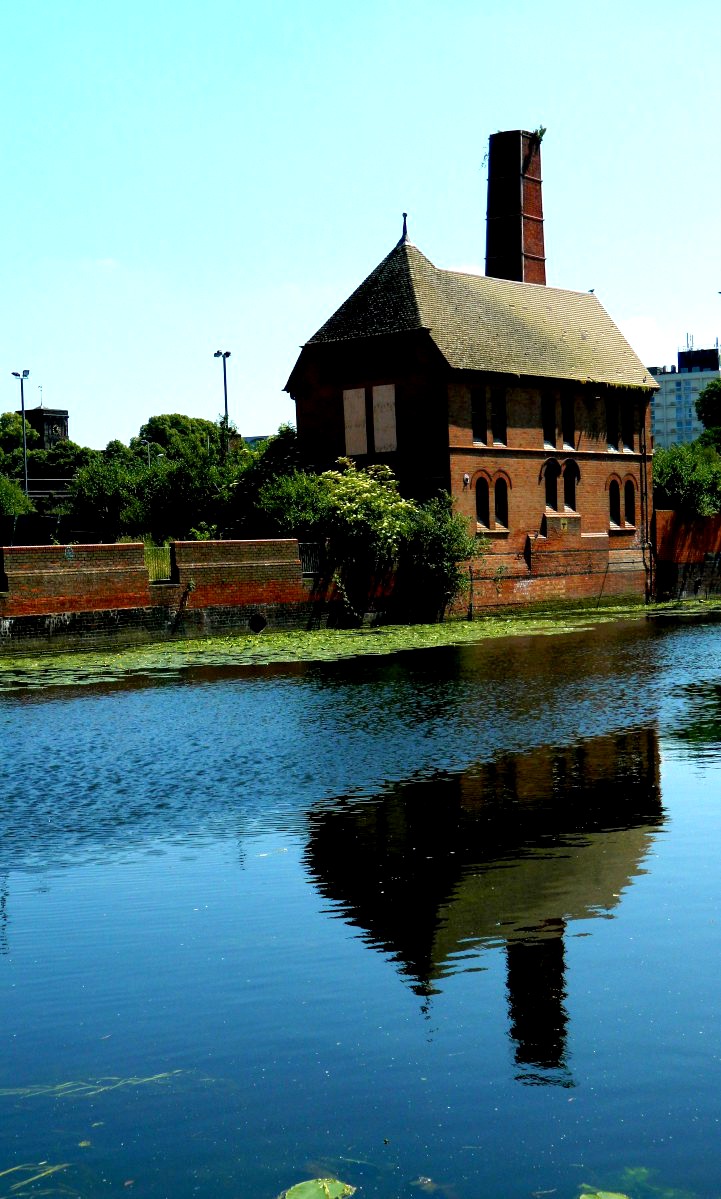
column 514, row 217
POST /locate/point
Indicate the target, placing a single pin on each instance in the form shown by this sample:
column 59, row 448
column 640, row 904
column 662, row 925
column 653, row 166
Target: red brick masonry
column 51, row 579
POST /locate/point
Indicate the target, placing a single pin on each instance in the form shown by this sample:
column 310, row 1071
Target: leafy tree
column 119, row 451
column 371, row 533
column 103, row 496
column 296, row 505
column 11, row 433
column 431, row 569
column 11, row 443
column 275, row 458
column 708, row 405
column 687, row 477
column 61, row 461
column 176, row 436
column 13, row 501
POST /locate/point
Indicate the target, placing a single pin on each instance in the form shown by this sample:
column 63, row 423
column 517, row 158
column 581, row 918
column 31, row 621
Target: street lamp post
column 22, row 377
column 224, row 355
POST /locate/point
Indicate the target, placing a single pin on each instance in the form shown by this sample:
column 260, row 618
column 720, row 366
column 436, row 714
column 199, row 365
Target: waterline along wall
column 66, row 595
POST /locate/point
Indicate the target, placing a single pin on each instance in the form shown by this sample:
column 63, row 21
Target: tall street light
column 22, row 377
column 224, row 355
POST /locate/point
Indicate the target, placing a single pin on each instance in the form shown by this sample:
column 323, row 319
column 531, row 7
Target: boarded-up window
column 384, row 418
column 354, row 411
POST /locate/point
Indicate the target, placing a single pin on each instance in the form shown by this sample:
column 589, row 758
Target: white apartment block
column 673, row 406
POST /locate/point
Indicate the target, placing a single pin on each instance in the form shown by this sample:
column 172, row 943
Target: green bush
column 371, row 534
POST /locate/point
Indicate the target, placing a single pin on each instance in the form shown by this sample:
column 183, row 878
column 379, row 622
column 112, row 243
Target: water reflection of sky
column 367, row 910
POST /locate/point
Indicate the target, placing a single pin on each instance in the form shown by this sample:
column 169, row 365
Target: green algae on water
column 172, row 659
column 319, row 1188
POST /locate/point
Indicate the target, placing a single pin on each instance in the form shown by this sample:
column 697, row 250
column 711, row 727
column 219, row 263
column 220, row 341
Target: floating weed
column 319, row 1188
column 638, row 1182
column 84, row 1088
column 27, row 1175
column 172, row 658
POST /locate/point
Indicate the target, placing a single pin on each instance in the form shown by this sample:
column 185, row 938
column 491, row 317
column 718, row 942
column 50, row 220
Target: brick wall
column 522, row 460
column 99, row 591
column 51, row 579
column 688, row 555
column 238, row 572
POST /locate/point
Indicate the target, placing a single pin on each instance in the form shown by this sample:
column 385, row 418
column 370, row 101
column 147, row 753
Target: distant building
column 51, row 424
column 673, row 407
column 524, row 401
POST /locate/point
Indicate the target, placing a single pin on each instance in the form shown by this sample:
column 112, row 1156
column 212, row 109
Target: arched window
column 551, row 473
column 614, row 503
column 500, row 499
column 571, row 476
column 629, row 502
column 483, row 508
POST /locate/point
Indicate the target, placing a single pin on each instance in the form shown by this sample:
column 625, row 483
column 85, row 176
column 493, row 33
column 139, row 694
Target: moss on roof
column 484, row 324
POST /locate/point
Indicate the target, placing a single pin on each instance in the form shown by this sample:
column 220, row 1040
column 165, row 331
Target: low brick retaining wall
column 688, row 555
column 63, row 596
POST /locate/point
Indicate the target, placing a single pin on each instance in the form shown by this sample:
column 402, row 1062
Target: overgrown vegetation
column 373, row 537
column 687, row 477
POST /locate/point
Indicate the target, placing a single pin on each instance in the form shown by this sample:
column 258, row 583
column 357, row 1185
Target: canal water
column 446, row 923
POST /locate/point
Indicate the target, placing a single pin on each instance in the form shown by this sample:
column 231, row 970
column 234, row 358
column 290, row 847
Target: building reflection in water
column 505, row 854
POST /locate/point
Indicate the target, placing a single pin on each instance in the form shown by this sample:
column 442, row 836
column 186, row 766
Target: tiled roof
column 484, row 324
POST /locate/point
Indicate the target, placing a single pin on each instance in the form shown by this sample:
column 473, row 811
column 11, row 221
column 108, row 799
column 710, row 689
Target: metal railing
column 312, row 557
column 157, row 561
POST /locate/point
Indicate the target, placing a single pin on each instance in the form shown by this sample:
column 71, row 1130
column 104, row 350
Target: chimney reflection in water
column 507, row 853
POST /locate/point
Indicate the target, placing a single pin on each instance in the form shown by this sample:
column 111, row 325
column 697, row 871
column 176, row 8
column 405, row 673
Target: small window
column 612, row 424
column 571, row 477
column 478, row 414
column 483, row 510
column 548, row 420
column 500, row 496
column 551, row 475
column 568, row 422
column 629, row 503
column 614, row 503
column 499, row 430
column 627, row 425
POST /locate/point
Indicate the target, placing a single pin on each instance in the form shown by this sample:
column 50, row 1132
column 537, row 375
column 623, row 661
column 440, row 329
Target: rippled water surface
column 446, row 922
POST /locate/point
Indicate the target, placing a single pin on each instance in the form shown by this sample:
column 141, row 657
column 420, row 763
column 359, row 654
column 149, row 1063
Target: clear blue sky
column 184, row 177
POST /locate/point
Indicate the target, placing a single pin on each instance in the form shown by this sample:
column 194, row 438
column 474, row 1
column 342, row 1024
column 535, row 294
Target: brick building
column 524, row 401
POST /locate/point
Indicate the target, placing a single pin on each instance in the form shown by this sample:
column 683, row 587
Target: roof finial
column 404, row 238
